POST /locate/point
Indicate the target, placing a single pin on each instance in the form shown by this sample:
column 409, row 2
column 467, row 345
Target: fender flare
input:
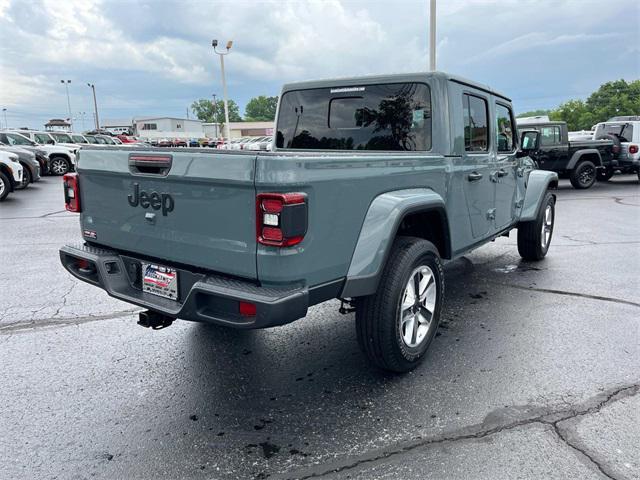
column 538, row 183
column 575, row 158
column 378, row 233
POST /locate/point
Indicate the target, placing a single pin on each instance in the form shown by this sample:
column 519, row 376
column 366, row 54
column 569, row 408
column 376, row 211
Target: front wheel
column 534, row 237
column 5, row 186
column 584, row 175
column 59, row 166
column 396, row 325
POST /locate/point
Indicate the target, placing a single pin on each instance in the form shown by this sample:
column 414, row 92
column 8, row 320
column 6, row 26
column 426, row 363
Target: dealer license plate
column 160, row 280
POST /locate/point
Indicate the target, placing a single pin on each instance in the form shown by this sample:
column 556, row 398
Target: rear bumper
column 203, row 297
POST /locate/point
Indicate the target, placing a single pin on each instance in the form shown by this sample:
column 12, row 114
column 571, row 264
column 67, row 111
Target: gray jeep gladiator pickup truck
column 372, row 183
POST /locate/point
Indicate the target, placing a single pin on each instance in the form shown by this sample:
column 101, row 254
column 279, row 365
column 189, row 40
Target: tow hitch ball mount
column 154, row 320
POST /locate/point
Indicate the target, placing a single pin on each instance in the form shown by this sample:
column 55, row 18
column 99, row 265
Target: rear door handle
column 474, row 177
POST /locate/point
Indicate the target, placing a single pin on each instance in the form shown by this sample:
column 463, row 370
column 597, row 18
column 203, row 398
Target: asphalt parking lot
column 535, row 372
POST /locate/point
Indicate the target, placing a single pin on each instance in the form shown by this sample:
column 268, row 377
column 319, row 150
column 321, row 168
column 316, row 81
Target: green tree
column 261, row 108
column 206, row 111
column 534, row 113
column 576, row 113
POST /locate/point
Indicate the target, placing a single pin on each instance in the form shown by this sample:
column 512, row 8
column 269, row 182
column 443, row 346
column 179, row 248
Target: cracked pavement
column 535, row 371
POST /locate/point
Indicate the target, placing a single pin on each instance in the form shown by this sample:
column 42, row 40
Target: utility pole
column 432, row 36
column 95, row 104
column 6, row 124
column 215, row 116
column 214, row 44
column 66, row 84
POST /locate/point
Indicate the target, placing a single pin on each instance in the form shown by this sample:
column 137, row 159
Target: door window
column 549, row 136
column 504, row 129
column 476, row 131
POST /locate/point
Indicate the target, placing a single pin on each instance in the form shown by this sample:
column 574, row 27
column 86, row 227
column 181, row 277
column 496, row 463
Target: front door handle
column 474, row 177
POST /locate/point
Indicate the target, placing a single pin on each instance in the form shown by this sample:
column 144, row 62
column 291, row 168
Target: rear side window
column 505, row 130
column 476, row 131
column 624, row 131
column 371, row 117
column 550, row 136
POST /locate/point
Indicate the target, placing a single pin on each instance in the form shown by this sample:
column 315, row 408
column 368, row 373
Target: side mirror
column 50, row 142
column 528, row 142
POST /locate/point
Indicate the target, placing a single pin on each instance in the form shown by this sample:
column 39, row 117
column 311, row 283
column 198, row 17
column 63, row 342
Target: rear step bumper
column 202, row 297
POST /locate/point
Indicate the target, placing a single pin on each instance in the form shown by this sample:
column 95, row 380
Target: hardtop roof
column 389, row 78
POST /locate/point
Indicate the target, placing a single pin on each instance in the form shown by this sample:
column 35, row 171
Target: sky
column 154, row 57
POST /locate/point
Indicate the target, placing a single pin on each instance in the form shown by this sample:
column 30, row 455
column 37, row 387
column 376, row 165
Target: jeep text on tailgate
column 371, row 184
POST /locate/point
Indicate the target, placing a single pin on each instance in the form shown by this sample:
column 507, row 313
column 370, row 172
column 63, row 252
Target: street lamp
column 66, row 85
column 95, row 104
column 6, row 125
column 214, row 44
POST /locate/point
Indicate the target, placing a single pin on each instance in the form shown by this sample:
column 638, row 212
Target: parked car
column 361, row 201
column 582, row 161
column 106, row 139
column 61, row 159
column 179, row 142
column 261, row 143
column 165, row 142
column 10, row 173
column 30, row 166
column 65, row 139
column 17, row 140
column 126, row 138
column 79, row 139
column 91, row 139
column 626, row 133
column 194, row 142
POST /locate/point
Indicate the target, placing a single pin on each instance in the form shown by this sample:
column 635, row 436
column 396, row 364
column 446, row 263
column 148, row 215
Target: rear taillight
column 281, row 218
column 71, row 192
column 633, row 149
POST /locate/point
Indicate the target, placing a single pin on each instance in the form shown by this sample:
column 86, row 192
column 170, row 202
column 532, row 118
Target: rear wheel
column 534, row 237
column 583, row 175
column 5, row 186
column 26, row 178
column 59, row 166
column 396, row 325
column 605, row 174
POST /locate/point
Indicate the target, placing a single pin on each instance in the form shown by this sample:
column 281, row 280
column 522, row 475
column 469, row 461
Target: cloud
column 155, row 56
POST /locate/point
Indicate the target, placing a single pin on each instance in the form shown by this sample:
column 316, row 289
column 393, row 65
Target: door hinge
column 491, row 214
column 519, row 204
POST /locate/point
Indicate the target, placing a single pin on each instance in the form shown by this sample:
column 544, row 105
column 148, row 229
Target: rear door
column 185, row 207
column 477, row 163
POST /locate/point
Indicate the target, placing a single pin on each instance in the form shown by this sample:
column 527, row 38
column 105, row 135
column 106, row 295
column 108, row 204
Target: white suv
column 10, row 173
column 62, row 159
column 627, row 132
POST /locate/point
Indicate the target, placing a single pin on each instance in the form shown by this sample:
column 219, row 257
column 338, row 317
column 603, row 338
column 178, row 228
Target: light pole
column 95, row 104
column 214, row 44
column 432, row 36
column 66, row 85
column 6, row 125
column 82, row 114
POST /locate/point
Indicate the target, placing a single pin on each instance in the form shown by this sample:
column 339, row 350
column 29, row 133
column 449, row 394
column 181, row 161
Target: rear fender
column 378, row 234
column 577, row 156
column 538, row 183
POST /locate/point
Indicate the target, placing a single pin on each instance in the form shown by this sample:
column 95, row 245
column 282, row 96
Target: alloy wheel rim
column 587, row 175
column 2, row 187
column 58, row 166
column 547, row 227
column 417, row 309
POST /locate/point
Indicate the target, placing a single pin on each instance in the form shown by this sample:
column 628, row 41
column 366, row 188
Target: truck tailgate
column 191, row 207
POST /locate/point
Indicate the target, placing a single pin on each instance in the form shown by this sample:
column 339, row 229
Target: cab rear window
column 372, row 117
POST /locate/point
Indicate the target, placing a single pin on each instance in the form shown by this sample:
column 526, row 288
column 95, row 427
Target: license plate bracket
column 160, row 280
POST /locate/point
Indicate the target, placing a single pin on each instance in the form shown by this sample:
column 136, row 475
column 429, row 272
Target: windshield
column 17, row 139
column 79, row 139
column 107, row 140
column 62, row 137
column 373, row 117
column 624, row 131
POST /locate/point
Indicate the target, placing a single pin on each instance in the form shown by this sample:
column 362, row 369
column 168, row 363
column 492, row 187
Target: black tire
column 5, row 186
column 59, row 166
column 26, row 178
column 605, row 174
column 617, row 145
column 584, row 175
column 378, row 322
column 530, row 234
